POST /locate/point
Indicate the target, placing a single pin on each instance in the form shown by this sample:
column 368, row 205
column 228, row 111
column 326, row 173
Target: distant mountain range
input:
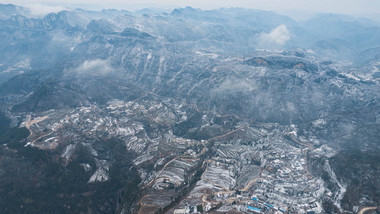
column 115, row 111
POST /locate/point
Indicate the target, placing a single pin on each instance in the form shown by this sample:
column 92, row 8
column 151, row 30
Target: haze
column 353, row 7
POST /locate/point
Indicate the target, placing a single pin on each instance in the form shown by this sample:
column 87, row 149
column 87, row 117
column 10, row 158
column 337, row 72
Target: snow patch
column 68, row 151
column 101, row 173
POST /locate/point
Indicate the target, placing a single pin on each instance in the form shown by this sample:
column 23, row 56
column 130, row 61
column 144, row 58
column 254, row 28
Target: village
column 261, row 169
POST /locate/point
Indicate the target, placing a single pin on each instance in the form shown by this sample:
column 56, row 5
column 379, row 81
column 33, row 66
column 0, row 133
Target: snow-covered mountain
column 116, row 111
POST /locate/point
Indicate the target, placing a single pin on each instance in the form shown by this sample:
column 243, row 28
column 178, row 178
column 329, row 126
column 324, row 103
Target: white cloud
column 230, row 85
column 93, row 67
column 41, row 10
column 277, row 37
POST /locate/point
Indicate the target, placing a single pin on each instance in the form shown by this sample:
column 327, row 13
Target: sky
column 352, row 7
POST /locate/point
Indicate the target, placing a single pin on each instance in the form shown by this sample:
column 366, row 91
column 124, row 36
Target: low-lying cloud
column 232, row 85
column 40, row 10
column 93, row 67
column 277, row 37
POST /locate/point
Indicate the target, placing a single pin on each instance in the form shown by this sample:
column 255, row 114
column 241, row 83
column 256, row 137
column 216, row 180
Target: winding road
column 249, row 184
column 30, row 122
column 309, row 148
column 365, row 209
column 226, row 134
column 159, row 173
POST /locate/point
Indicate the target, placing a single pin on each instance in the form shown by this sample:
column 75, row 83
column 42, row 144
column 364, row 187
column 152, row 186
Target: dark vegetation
column 184, row 129
column 14, row 135
column 36, row 181
column 361, row 170
column 4, row 123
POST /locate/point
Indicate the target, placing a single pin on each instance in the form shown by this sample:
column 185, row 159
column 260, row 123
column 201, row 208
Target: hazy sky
column 355, row 7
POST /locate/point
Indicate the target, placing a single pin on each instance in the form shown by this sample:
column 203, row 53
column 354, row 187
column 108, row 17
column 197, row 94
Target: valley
column 192, row 111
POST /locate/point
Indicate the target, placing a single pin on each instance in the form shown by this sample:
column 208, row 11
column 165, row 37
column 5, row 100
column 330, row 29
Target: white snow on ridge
column 101, row 174
column 211, row 55
column 319, row 122
column 20, row 65
column 351, row 76
column 68, row 151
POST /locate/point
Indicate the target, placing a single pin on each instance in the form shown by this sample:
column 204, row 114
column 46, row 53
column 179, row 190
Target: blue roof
column 254, row 209
column 254, row 198
column 270, row 205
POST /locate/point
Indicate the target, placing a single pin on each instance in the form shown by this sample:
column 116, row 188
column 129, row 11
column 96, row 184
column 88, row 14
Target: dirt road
column 365, row 209
column 30, row 122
